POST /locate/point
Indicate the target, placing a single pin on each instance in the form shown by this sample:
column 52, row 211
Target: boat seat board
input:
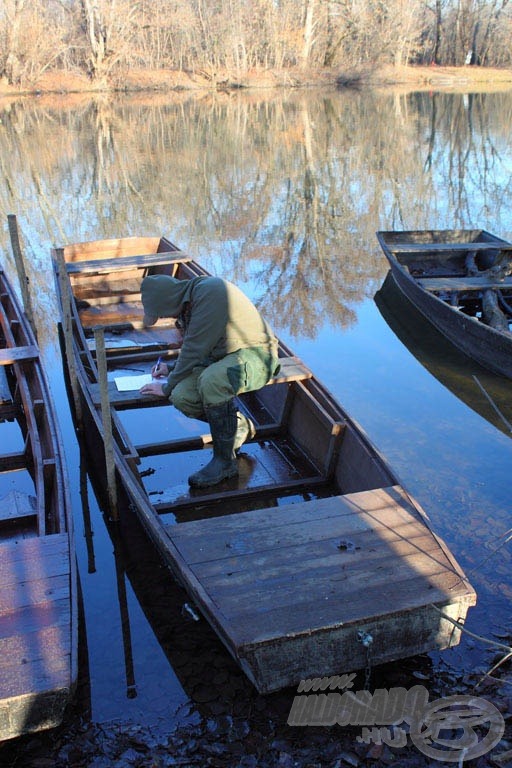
column 403, row 247
column 119, row 263
column 292, row 369
column 436, row 284
column 18, row 355
column 356, row 557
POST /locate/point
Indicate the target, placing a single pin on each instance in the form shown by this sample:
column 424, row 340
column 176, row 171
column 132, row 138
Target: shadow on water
column 487, row 394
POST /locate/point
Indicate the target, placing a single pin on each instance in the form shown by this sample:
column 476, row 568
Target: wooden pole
column 67, row 329
column 21, row 269
column 101, row 362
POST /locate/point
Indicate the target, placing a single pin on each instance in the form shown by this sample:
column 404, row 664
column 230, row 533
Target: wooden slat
column 463, row 283
column 292, row 369
column 12, row 461
column 18, row 354
column 375, row 599
column 33, row 559
column 32, row 591
column 33, row 650
column 277, row 488
column 16, row 505
column 289, row 525
column 5, row 392
column 443, row 247
column 120, row 263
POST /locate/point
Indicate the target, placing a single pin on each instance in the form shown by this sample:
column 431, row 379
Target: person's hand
column 160, row 370
column 152, row 389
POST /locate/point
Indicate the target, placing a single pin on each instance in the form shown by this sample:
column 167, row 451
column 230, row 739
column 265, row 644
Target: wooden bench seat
column 437, row 284
column 292, row 369
column 18, row 355
column 443, row 247
column 121, row 263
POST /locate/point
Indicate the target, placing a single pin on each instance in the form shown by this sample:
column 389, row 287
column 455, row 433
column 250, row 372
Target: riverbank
column 410, row 78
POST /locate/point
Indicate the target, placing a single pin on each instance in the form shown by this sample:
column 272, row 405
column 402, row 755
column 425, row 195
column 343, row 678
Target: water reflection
column 288, row 191
column 283, row 193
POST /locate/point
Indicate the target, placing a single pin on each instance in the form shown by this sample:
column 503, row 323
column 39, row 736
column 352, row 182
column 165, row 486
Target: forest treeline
column 104, row 38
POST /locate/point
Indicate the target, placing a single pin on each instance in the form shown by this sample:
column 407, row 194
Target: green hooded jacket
column 219, row 320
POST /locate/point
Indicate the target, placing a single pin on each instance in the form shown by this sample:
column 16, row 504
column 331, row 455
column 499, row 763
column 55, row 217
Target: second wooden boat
column 461, row 281
column 315, row 559
column 481, row 390
column 38, row 595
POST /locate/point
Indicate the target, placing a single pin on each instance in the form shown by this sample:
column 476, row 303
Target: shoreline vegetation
column 408, row 78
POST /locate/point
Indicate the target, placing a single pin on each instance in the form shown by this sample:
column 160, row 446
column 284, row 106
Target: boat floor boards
column 35, row 641
column 318, row 572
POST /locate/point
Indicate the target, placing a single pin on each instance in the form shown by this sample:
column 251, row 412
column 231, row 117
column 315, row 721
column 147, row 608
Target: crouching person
column 227, row 349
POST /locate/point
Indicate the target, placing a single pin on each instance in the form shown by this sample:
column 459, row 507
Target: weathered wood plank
column 5, row 392
column 35, row 676
column 31, row 592
column 354, row 550
column 18, row 355
column 12, row 461
column 121, row 263
column 436, row 284
column 32, row 559
column 325, row 610
column 17, row 505
column 329, row 509
column 274, row 486
column 251, row 564
column 292, row 369
column 32, row 618
column 444, row 247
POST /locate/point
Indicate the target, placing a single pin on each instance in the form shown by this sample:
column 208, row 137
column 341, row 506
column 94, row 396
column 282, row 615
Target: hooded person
column 227, row 349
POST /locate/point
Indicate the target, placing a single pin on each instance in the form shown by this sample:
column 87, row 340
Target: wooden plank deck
column 279, row 577
column 35, row 637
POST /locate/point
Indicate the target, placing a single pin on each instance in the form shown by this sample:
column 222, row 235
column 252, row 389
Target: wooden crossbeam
column 292, row 369
column 436, row 284
column 18, row 354
column 116, row 264
column 442, row 247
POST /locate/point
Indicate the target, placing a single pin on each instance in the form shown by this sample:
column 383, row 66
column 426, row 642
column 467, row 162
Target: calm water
column 281, row 193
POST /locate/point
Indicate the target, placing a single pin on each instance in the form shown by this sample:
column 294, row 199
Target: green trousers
column 243, row 371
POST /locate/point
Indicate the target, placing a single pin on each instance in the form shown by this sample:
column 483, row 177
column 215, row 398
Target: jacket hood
column 164, row 296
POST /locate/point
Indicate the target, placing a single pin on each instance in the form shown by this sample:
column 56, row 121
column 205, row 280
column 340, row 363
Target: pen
column 157, row 365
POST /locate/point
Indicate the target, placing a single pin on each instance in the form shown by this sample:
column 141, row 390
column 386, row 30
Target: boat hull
column 285, row 562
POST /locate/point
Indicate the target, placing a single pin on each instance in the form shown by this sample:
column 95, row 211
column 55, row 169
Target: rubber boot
column 245, row 431
column 223, row 426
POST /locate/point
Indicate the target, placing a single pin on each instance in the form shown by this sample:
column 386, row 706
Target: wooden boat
column 38, row 596
column 461, row 280
column 481, row 390
column 315, row 558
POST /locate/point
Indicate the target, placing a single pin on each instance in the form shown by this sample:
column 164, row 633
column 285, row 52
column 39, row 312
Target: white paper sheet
column 128, row 383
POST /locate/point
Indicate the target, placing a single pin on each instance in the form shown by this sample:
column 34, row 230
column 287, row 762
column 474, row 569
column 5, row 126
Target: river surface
column 281, row 193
